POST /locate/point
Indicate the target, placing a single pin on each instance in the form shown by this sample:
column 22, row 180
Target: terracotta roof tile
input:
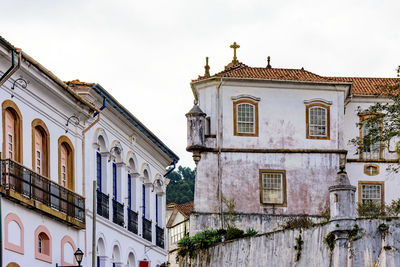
column 185, row 208
column 361, row 86
column 368, row 86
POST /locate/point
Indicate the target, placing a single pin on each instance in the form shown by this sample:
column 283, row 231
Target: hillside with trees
column 181, row 186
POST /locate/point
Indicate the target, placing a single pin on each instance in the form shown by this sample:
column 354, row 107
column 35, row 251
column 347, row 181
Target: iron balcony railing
column 34, row 186
column 146, row 229
column 159, row 237
column 118, row 213
column 132, row 221
column 102, row 204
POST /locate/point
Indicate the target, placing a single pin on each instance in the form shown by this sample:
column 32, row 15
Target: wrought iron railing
column 34, row 186
column 132, row 221
column 102, row 204
column 118, row 213
column 146, row 229
column 159, row 237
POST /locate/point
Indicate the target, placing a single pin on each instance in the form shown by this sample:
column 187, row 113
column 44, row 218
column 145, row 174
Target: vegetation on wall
column 181, row 186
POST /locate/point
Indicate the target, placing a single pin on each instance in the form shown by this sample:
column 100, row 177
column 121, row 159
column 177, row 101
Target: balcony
column 146, row 229
column 102, row 204
column 132, row 221
column 24, row 186
column 159, row 237
column 118, row 213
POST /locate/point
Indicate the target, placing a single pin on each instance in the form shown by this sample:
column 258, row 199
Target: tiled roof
column 185, row 208
column 368, row 86
column 361, row 86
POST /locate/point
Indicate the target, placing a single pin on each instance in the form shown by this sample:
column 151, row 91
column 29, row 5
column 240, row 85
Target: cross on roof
column 234, row 46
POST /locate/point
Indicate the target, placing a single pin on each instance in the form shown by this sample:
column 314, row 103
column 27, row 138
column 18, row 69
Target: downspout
column 13, row 67
column 219, row 137
column 97, row 112
column 173, row 168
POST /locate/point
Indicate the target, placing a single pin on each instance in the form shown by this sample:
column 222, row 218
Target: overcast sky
column 145, row 53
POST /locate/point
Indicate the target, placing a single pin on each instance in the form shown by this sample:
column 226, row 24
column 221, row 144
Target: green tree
column 181, row 186
column 383, row 121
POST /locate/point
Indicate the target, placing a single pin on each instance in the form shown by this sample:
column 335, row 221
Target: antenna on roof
column 207, row 69
column 268, row 62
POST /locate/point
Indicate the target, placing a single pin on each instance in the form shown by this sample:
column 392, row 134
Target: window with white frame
column 273, row 187
column 177, row 233
column 245, row 117
column 370, row 148
column 371, row 192
column 317, row 121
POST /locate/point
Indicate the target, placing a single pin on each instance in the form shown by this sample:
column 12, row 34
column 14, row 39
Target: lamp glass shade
column 78, row 255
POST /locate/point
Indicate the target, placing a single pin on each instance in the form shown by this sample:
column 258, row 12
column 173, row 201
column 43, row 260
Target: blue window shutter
column 115, row 180
column 144, row 200
column 129, row 191
column 98, row 167
column 157, row 209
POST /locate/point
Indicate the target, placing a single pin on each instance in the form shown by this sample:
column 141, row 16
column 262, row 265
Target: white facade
column 58, row 133
column 240, row 164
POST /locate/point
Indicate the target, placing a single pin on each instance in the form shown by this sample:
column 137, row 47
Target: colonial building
column 58, row 140
column 177, row 227
column 271, row 139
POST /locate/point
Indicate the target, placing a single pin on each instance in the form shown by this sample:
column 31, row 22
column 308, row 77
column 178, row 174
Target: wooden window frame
column 18, row 153
column 247, row 101
column 381, row 183
column 71, row 161
column 284, row 192
column 362, row 117
column 38, row 123
column 328, row 121
column 366, row 166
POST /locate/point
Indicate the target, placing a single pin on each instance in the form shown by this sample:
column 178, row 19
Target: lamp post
column 78, row 257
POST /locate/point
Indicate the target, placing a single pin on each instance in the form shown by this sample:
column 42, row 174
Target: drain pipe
column 97, row 112
column 13, row 67
column 219, row 137
column 173, row 168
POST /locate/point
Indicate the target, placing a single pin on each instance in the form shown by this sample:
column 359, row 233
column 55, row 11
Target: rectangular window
column 38, row 161
column 371, row 192
column 245, row 117
column 273, row 187
column 144, row 200
column 317, row 121
column 370, row 147
column 98, row 167
column 10, row 146
column 129, row 191
column 115, row 192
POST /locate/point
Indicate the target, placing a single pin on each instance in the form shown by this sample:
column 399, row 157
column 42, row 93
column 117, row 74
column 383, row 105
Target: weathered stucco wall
column 368, row 247
column 262, row 223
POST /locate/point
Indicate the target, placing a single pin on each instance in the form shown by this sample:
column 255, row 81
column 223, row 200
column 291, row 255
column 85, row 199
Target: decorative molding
column 12, row 217
column 67, row 239
column 317, row 100
column 277, row 150
column 245, row 96
column 42, row 256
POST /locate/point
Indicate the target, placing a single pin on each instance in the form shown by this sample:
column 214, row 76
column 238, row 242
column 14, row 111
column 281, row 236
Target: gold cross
column 234, row 46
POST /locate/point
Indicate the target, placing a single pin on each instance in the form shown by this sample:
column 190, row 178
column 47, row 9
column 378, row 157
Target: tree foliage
column 181, row 186
column 382, row 120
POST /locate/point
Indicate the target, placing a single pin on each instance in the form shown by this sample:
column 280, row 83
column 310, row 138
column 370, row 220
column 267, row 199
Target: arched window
column 245, row 117
column 131, row 260
column 14, row 233
column 317, row 121
column 40, row 148
column 12, row 131
column 371, row 169
column 66, row 163
column 68, row 249
column 43, row 247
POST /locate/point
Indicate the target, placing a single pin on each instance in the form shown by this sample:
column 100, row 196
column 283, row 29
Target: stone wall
column 262, row 223
column 367, row 247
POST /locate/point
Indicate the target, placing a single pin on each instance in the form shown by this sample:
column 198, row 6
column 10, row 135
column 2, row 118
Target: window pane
column 245, row 118
column 371, row 193
column 317, row 121
column 272, row 191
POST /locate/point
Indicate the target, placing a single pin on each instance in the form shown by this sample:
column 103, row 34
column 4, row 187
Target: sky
column 145, row 53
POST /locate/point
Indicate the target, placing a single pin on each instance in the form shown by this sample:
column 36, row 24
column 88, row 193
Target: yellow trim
column 8, row 104
column 39, row 123
column 71, row 161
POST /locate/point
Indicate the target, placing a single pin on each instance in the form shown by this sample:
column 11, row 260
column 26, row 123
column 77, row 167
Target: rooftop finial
column 207, row 68
column 398, row 71
column 234, row 46
column 268, row 62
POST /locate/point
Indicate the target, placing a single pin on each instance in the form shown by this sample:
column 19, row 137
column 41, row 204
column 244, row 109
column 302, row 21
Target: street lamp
column 78, row 257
